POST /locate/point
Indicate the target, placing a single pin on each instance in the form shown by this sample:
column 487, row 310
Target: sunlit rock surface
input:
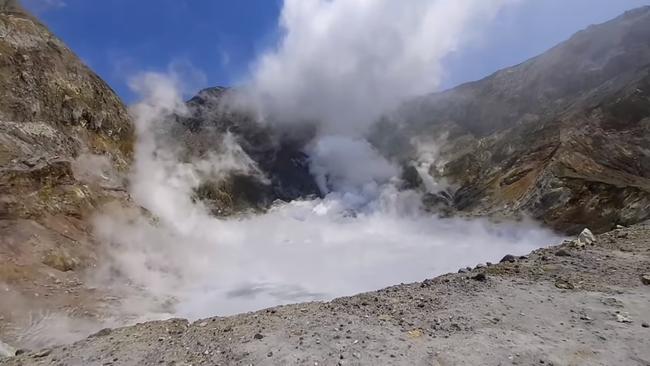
column 65, row 143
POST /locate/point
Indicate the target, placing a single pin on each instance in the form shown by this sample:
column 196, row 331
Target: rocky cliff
column 281, row 165
column 65, row 139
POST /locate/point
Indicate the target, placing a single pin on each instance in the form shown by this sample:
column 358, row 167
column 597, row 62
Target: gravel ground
column 561, row 305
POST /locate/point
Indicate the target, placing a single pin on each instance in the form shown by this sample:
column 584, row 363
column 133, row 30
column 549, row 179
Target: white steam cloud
column 342, row 63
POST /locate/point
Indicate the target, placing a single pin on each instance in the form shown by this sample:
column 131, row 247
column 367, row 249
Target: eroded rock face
column 281, row 168
column 563, row 137
column 65, row 142
column 53, row 109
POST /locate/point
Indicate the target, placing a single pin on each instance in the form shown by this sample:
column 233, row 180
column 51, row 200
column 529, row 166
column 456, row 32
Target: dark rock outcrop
column 281, row 166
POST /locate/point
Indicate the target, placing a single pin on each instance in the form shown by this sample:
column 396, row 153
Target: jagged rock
column 645, row 279
column 43, row 353
column 623, row 318
column 508, row 258
column 481, row 277
column 283, row 166
column 586, row 237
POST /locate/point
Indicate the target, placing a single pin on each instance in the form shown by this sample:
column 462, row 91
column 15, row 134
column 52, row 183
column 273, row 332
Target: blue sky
column 119, row 38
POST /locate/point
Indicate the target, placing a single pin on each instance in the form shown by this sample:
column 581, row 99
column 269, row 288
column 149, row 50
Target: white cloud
column 345, row 62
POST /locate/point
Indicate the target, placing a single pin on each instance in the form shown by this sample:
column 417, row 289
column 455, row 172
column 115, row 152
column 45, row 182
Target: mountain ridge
column 524, row 137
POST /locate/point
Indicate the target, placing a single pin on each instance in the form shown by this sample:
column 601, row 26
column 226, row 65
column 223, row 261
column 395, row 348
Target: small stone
column 563, row 253
column 508, row 258
column 258, row 336
column 619, row 227
column 463, row 270
column 489, row 264
column 102, row 333
column 645, row 279
column 270, row 354
column 43, row 353
column 480, row 265
column 586, row 237
column 481, row 277
column 564, row 285
column 623, row 318
column 622, row 235
column 645, row 325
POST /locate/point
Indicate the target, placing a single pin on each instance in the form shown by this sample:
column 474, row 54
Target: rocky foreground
column 562, row 305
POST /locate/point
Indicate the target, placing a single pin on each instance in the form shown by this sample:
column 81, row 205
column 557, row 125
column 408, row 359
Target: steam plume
column 343, row 63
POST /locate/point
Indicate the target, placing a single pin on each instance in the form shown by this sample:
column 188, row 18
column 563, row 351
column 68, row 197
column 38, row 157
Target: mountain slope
column 65, row 140
column 563, row 137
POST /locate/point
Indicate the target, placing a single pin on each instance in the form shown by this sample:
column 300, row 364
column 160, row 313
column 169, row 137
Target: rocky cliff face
column 563, row 137
column 52, row 110
column 65, row 139
column 282, row 168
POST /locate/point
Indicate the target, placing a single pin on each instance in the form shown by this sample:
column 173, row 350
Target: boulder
column 586, row 237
